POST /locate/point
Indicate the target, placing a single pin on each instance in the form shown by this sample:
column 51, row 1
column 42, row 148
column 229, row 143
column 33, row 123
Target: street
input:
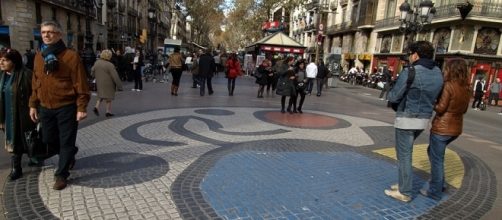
column 229, row 157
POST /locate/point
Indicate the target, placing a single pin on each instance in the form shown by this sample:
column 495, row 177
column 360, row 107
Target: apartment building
column 366, row 33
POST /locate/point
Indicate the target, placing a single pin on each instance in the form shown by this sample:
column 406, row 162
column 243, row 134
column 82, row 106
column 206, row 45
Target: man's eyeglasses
column 49, row 32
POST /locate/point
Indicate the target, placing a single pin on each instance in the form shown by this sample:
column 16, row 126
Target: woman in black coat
column 286, row 85
column 263, row 71
column 15, row 88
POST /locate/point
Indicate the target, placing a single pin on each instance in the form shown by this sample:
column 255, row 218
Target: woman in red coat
column 233, row 70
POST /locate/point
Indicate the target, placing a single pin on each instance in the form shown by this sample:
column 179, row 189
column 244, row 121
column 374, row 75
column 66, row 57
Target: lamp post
column 320, row 30
column 414, row 19
column 88, row 55
column 152, row 18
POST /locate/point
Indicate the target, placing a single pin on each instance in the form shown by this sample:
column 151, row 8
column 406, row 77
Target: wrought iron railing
column 488, row 10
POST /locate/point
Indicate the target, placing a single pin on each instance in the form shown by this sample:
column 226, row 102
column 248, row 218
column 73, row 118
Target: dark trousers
column 202, row 83
column 478, row 96
column 176, row 76
column 292, row 102
column 299, row 93
column 59, row 129
column 194, row 80
column 385, row 91
column 138, row 82
column 493, row 96
column 310, row 85
column 320, row 84
column 231, row 86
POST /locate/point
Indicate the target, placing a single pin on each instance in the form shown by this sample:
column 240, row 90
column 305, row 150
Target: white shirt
column 311, row 70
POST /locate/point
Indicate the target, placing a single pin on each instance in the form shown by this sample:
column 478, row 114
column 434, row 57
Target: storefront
column 277, row 43
column 4, row 36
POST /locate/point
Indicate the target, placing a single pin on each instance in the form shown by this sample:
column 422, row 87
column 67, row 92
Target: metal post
column 319, row 20
column 88, row 55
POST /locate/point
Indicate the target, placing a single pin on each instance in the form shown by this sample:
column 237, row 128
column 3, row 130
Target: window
column 391, row 9
column 54, row 15
column 38, row 12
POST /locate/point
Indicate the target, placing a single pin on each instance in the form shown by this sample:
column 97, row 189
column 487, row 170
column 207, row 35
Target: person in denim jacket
column 414, row 111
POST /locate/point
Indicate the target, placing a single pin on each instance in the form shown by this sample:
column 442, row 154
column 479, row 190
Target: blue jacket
column 423, row 92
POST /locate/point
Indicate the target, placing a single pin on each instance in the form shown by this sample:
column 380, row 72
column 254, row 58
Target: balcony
column 489, row 10
column 132, row 12
column 69, row 4
column 344, row 2
column 450, row 11
column 333, row 5
column 345, row 27
column 312, row 5
column 310, row 27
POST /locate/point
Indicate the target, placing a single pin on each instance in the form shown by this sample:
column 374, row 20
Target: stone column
column 474, row 37
column 21, row 21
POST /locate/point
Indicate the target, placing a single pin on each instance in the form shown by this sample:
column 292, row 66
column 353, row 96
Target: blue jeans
column 404, row 151
column 436, row 150
column 310, row 85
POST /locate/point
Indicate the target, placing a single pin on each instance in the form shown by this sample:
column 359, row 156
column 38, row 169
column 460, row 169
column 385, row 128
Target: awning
column 280, row 49
column 278, row 42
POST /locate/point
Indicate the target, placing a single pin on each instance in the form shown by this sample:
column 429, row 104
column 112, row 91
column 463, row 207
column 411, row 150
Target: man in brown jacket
column 59, row 98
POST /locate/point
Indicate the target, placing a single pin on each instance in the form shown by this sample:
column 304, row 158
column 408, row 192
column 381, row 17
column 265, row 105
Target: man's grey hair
column 54, row 24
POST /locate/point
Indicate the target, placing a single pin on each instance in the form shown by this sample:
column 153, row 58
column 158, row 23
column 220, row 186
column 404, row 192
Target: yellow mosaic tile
column 454, row 168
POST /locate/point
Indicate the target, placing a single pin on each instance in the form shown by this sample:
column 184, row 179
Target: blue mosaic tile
column 344, row 184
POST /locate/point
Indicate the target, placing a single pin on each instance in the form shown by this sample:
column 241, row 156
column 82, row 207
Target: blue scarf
column 49, row 53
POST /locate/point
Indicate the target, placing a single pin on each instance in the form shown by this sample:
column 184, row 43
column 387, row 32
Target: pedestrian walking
column 129, row 55
column 15, row 84
column 107, row 82
column 194, row 69
column 176, row 68
column 495, row 89
column 322, row 73
column 207, row 67
column 311, row 75
column 233, row 67
column 415, row 101
column 479, row 92
column 447, row 124
column 301, row 82
column 286, row 84
column 59, row 98
column 262, row 73
column 387, row 83
column 137, row 65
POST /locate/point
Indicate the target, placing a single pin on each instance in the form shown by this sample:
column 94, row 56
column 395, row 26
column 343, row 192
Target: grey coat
column 107, row 79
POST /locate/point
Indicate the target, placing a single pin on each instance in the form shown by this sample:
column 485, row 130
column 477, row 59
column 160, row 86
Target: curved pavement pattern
column 243, row 163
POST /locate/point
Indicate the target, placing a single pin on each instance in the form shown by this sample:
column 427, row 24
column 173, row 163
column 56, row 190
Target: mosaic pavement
column 244, row 163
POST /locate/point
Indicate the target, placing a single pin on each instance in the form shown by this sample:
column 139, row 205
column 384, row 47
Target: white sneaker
column 500, row 113
column 397, row 195
column 394, row 186
column 133, row 90
column 476, row 109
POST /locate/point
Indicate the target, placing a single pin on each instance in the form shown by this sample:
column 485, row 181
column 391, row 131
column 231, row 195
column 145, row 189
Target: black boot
column 17, row 171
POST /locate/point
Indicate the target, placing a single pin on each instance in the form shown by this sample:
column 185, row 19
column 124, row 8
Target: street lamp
column 152, row 18
column 88, row 55
column 413, row 20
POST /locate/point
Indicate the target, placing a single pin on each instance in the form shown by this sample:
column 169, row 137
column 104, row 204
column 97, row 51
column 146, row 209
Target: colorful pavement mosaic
column 244, row 163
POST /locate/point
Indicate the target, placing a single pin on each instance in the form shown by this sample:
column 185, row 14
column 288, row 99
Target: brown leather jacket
column 450, row 109
column 175, row 61
column 65, row 86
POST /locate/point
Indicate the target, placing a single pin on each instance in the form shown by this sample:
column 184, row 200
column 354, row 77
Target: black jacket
column 207, row 66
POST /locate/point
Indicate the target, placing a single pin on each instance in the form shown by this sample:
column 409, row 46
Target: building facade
column 366, row 33
column 114, row 23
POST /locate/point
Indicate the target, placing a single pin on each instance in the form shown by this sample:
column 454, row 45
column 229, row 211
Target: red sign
column 282, row 49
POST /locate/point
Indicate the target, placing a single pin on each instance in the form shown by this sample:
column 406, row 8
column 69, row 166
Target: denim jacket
column 423, row 92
